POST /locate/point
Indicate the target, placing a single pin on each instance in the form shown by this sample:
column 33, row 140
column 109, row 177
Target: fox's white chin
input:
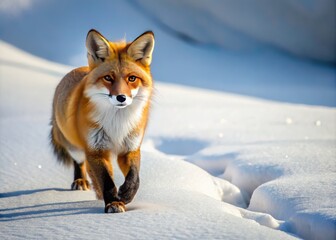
column 120, row 106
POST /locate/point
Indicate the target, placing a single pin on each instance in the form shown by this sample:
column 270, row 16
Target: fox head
column 119, row 71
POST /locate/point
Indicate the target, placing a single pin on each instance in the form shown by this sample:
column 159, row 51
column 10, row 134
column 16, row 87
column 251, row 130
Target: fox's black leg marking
column 101, row 173
column 110, row 194
column 78, row 173
column 109, row 189
column 128, row 190
column 80, row 181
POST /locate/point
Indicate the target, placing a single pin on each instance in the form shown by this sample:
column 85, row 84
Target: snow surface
column 262, row 72
column 274, row 162
column 304, row 28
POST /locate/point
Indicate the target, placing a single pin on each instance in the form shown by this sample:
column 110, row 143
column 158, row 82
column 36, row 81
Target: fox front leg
column 130, row 166
column 80, row 181
column 100, row 170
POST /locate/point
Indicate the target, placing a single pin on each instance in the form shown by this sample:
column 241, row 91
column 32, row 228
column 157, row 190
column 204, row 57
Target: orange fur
column 101, row 112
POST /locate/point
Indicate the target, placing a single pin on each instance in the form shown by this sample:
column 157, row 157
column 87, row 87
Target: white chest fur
column 116, row 126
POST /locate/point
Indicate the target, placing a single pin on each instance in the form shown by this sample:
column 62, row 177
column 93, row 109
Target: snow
column 304, row 28
column 261, row 72
column 314, row 216
column 214, row 166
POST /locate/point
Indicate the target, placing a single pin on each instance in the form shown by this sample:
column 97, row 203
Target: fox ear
column 97, row 46
column 141, row 48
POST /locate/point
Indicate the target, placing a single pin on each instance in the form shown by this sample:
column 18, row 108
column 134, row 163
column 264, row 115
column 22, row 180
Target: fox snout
column 120, row 93
column 121, row 100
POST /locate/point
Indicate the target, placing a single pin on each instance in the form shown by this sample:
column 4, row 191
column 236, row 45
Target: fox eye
column 108, row 78
column 132, row 78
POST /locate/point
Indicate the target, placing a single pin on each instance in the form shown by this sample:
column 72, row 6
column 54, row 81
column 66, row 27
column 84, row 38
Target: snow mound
column 314, row 217
column 176, row 199
column 274, row 164
column 26, row 60
column 307, row 29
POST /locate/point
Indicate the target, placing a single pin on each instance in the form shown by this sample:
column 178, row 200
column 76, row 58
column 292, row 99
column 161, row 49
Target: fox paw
column 80, row 184
column 115, row 207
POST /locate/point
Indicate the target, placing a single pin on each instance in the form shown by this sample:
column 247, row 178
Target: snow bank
column 176, row 199
column 263, row 72
column 304, row 28
column 275, row 164
column 26, row 60
column 312, row 217
column 256, row 145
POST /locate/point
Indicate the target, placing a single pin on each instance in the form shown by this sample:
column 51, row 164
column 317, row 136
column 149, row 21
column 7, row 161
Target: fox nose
column 121, row 98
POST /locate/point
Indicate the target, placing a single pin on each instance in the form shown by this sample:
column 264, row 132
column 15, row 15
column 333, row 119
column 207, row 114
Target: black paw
column 115, row 207
column 80, row 184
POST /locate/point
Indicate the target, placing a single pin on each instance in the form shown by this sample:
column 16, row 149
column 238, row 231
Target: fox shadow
column 28, row 192
column 46, row 210
column 52, row 209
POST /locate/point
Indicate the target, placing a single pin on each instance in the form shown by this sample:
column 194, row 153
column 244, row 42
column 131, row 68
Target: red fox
column 100, row 113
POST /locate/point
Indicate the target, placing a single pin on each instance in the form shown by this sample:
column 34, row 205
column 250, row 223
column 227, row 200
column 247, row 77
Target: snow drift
column 305, row 28
column 274, row 162
column 254, row 71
